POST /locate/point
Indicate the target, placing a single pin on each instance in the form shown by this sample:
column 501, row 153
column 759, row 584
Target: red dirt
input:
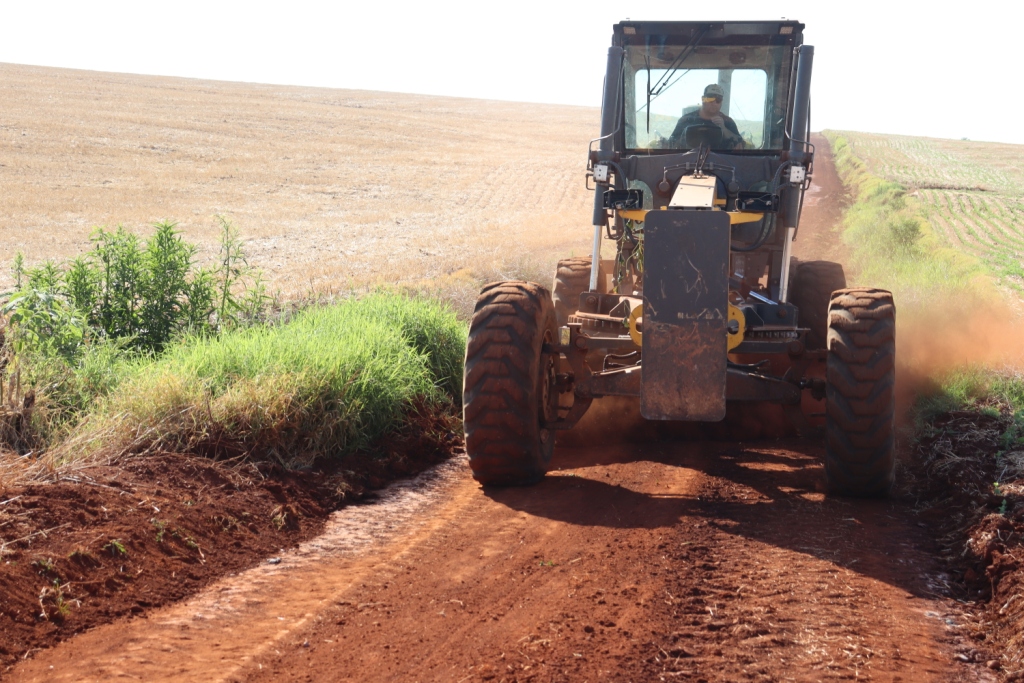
column 671, row 560
column 115, row 540
column 654, row 558
column 123, row 539
column 821, row 221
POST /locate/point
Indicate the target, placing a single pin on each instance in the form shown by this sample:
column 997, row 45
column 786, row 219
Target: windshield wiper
column 647, row 62
column 663, row 82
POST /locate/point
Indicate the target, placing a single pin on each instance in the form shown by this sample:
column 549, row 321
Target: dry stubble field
column 332, row 189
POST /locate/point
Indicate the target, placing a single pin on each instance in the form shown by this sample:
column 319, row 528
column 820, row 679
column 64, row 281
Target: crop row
column 988, row 227
column 920, row 163
column 972, row 193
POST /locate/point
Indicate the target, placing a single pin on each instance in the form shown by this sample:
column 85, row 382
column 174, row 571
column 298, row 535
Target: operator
column 710, row 111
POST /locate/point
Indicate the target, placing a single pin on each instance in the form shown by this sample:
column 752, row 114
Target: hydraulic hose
column 766, row 231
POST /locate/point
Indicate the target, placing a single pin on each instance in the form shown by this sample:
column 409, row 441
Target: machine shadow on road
column 768, row 492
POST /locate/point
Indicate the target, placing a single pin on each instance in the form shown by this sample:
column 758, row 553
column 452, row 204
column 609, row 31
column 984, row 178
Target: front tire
column 860, row 420
column 509, row 393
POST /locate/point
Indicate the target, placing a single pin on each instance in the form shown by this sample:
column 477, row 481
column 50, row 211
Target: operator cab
column 668, row 66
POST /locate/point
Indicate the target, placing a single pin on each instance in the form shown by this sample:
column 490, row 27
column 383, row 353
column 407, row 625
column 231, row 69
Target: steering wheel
column 703, row 133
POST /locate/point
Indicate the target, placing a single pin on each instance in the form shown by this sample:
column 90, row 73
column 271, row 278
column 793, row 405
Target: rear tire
column 509, row 390
column 860, row 420
column 572, row 278
column 811, row 290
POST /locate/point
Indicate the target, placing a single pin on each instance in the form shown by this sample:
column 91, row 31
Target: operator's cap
column 714, row 90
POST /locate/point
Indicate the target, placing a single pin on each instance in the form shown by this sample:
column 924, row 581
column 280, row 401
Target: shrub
column 144, row 293
column 45, row 324
column 75, row 328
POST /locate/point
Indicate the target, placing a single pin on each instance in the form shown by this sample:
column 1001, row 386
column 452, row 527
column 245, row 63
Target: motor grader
column 699, row 176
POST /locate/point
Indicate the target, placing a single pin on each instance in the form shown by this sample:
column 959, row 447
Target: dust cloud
column 613, row 419
column 934, row 339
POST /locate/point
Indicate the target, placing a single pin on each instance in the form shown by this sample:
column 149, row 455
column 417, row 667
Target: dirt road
column 664, row 561
column 635, row 561
column 820, row 233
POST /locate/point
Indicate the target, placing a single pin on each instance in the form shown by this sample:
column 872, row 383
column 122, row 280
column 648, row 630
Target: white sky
column 917, row 68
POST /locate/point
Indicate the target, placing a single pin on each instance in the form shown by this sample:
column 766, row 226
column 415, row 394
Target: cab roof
column 780, row 32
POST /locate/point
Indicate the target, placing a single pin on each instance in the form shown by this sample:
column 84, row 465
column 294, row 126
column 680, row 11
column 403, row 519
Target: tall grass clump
column 328, row 382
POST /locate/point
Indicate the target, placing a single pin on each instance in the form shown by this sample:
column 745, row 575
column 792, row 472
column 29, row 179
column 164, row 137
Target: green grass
column 320, row 381
column 64, row 392
column 111, row 342
column 328, row 382
column 972, row 388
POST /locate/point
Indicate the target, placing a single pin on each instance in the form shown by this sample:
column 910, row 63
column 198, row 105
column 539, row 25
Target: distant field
column 663, row 126
column 973, row 192
column 333, row 189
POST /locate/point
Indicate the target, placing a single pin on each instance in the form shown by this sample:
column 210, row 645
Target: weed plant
column 116, row 548
column 142, row 293
column 76, row 328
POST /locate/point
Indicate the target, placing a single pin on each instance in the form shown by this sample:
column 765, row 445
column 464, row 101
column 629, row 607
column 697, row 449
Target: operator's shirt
column 693, row 117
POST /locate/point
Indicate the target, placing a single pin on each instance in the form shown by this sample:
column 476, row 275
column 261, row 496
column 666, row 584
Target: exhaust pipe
column 799, row 146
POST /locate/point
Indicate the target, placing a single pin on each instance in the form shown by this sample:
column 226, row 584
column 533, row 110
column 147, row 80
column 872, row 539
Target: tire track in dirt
column 665, row 562
column 631, row 562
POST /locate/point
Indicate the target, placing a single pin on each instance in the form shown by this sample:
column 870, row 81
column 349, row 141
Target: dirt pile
column 971, row 471
column 124, row 538
column 121, row 539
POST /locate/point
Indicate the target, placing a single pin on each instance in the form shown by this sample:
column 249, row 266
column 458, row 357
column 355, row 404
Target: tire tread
column 812, row 285
column 572, row 278
column 500, row 410
column 860, row 419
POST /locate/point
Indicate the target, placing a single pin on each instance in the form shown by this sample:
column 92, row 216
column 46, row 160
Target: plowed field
column 332, row 189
